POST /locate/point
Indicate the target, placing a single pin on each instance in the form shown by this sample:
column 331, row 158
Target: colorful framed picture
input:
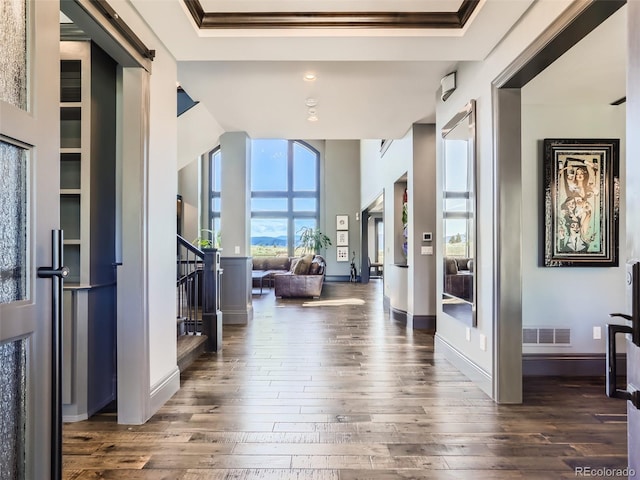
column 581, row 202
column 342, row 222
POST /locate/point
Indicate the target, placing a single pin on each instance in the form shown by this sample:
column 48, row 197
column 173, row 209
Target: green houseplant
column 207, row 239
column 312, row 240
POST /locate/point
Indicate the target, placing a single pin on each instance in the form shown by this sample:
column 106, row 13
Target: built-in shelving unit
column 87, row 218
column 75, row 144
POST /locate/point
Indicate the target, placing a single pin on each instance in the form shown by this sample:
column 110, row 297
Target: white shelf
column 70, row 104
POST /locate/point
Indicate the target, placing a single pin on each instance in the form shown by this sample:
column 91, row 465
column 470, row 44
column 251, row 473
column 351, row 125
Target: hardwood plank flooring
column 310, row 391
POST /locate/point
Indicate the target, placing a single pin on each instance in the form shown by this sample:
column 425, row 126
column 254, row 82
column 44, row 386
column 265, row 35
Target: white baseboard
column 471, row 369
column 74, row 418
column 163, row 391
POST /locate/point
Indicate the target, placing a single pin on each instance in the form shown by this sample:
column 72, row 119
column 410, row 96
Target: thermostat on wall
column 426, row 236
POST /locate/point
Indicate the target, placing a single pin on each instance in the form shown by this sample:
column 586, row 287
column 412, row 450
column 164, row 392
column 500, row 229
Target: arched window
column 285, row 194
column 285, row 185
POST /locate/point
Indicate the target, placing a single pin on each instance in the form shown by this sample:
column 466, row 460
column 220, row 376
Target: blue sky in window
column 269, row 173
column 269, row 165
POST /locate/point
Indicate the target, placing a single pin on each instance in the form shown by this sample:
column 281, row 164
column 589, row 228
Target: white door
column 29, row 211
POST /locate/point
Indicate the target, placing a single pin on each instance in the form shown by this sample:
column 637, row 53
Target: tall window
column 214, row 201
column 285, row 185
column 284, row 194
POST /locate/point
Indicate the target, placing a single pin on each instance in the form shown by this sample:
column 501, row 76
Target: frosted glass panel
column 13, row 60
column 13, row 223
column 13, row 361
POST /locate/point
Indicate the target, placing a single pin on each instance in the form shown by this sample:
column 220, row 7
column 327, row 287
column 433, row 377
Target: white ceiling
column 593, row 72
column 372, row 83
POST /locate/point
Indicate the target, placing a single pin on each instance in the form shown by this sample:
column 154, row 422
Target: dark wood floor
column 340, row 392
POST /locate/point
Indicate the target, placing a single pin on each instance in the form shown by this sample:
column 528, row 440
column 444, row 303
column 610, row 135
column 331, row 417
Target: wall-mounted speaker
column 448, row 84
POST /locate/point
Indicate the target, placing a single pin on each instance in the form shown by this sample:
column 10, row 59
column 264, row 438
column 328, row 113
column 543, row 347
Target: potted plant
column 312, row 240
column 207, row 239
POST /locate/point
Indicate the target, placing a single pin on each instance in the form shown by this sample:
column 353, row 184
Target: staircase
column 197, row 316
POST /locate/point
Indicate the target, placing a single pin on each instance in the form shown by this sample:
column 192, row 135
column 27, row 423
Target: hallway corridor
column 311, row 390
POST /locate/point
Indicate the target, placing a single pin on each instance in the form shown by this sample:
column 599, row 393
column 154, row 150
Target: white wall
column 189, row 185
column 474, row 82
column 198, row 132
column 409, row 288
column 378, row 174
column 372, row 176
column 576, row 298
column 161, row 196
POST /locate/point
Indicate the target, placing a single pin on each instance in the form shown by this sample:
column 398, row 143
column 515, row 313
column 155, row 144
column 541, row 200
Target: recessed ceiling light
column 312, row 112
column 309, row 77
column 311, row 102
column 312, row 118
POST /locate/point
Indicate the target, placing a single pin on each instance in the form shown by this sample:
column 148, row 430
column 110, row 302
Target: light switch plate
column 597, row 333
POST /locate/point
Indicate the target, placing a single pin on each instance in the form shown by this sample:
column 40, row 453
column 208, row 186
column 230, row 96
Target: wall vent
column 546, row 336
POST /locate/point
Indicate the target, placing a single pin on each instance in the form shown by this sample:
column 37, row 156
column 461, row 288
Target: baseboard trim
column 555, row 365
column 398, row 315
column 337, row 278
column 423, row 322
column 413, row 322
column 237, row 317
column 163, row 391
column 74, row 418
column 472, row 370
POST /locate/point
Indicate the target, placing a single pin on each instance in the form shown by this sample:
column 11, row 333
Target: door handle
column 57, row 273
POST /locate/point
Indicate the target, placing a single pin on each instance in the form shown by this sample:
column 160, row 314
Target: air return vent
column 546, row 336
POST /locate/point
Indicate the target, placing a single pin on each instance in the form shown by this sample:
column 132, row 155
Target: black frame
column 581, row 215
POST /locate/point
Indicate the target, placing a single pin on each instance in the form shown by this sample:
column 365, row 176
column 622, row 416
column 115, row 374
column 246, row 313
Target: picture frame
column 342, row 238
column 342, row 254
column 581, row 202
column 342, row 222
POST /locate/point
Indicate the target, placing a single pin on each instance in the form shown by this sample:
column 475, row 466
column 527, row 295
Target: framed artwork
column 342, row 254
column 581, row 202
column 342, row 222
column 342, row 239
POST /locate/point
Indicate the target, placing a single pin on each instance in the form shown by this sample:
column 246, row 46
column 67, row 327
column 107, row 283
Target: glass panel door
column 13, row 376
column 13, row 223
column 13, row 61
column 29, row 211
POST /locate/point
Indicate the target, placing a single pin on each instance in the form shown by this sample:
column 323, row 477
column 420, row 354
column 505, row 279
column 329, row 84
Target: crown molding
column 257, row 20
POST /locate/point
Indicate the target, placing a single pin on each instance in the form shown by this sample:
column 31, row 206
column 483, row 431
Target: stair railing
column 190, row 262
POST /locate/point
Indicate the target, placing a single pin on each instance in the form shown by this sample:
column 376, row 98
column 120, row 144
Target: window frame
column 290, row 194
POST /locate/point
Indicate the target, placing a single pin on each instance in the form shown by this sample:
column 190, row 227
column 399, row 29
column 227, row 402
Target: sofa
column 458, row 277
column 304, row 278
column 271, row 266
